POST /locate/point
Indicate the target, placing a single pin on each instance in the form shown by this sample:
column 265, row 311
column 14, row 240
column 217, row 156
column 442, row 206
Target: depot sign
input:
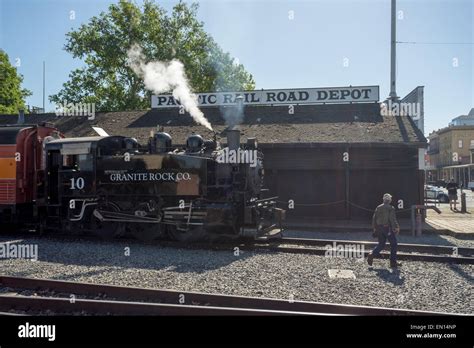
column 279, row 96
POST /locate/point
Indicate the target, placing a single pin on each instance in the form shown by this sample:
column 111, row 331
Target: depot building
column 328, row 152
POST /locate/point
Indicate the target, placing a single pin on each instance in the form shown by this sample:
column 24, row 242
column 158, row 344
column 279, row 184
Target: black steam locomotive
column 112, row 186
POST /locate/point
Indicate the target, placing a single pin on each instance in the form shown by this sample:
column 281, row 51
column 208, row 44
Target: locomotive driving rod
column 266, row 200
column 122, row 217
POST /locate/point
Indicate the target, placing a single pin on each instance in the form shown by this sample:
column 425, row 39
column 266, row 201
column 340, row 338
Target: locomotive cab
column 71, row 180
column 72, row 164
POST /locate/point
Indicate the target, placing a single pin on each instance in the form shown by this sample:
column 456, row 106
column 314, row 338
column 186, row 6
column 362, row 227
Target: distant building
column 451, row 146
column 451, row 150
column 464, row 120
column 433, row 151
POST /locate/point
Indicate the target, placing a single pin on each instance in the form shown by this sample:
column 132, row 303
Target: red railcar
column 22, row 164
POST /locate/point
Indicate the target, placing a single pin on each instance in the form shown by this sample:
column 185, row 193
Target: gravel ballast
column 417, row 285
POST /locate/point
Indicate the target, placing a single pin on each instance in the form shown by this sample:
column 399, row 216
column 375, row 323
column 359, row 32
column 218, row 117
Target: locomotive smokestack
column 233, row 138
column 233, row 117
column 234, row 114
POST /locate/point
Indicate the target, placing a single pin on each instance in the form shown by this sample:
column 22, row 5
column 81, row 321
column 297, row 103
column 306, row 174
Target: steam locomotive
column 112, row 186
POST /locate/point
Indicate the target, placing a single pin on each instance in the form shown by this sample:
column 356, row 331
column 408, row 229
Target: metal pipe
column 233, row 139
column 393, row 52
column 21, row 116
column 44, row 86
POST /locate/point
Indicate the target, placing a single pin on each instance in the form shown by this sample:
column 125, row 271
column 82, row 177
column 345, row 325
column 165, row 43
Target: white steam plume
column 162, row 77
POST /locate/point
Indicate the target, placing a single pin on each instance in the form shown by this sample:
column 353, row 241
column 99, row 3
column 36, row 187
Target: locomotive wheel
column 196, row 234
column 103, row 229
column 145, row 232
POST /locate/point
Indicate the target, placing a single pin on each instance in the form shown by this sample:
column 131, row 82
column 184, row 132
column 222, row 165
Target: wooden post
column 347, row 175
column 463, row 202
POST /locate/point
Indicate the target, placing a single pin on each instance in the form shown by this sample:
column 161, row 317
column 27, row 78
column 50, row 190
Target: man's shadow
column 388, row 275
column 456, row 211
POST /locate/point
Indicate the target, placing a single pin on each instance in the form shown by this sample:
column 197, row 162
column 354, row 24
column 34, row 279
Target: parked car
column 440, row 183
column 471, row 185
column 435, row 193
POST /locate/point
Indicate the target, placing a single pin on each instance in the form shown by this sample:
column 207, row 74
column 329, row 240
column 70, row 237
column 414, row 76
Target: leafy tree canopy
column 102, row 43
column 12, row 96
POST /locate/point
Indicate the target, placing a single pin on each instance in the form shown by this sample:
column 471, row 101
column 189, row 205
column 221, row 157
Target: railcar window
column 111, row 147
column 69, row 162
column 85, row 163
column 78, row 162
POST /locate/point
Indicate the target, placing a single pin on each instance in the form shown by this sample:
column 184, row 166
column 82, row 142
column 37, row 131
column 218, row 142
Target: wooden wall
column 317, row 179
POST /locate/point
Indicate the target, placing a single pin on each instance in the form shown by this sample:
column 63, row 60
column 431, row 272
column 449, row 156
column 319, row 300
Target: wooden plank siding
column 313, row 177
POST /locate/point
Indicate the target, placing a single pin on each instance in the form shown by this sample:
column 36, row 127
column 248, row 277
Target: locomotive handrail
column 190, row 212
column 92, row 201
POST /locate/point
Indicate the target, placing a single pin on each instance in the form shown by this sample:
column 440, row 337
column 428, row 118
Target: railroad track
column 50, row 297
column 422, row 248
column 411, row 252
column 408, row 252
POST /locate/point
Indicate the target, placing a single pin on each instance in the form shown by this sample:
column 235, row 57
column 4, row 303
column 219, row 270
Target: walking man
column 452, row 188
column 385, row 226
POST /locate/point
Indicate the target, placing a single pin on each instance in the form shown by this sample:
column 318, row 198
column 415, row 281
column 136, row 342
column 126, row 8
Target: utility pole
column 393, row 54
column 44, row 74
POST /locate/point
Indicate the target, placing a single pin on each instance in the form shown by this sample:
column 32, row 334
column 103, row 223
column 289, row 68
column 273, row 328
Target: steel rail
column 427, row 248
column 108, row 307
column 384, row 255
column 173, row 297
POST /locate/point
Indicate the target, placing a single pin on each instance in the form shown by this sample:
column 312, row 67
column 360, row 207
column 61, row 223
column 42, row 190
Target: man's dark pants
column 384, row 233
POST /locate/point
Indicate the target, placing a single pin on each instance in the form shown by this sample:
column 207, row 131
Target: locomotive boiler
column 111, row 186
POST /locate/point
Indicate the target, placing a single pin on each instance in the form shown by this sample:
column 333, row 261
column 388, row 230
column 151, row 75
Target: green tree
column 102, row 43
column 12, row 96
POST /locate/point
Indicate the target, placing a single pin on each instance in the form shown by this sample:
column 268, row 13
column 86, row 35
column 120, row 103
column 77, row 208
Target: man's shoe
column 395, row 264
column 370, row 259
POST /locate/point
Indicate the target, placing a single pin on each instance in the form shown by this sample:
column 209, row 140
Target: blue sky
column 305, row 51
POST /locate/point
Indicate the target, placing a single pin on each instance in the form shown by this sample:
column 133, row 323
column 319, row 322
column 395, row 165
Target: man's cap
column 387, row 196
